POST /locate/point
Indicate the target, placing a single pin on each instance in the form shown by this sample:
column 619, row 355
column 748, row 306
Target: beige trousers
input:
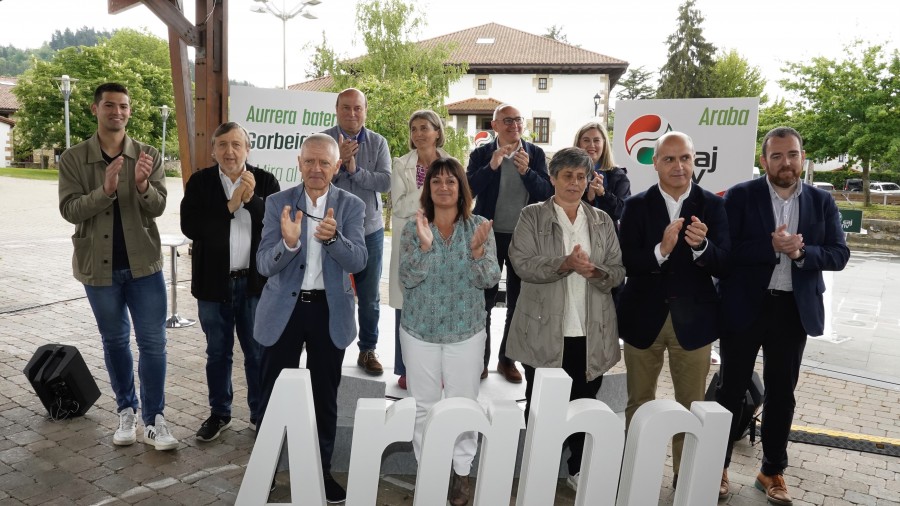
column 689, row 370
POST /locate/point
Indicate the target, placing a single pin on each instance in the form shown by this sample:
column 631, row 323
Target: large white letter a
column 294, row 419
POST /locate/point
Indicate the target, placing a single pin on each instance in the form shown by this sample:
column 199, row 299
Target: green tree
column 733, row 76
column 849, row 106
column 141, row 45
column 323, row 61
column 778, row 113
column 397, row 75
column 556, row 33
column 687, row 72
column 40, row 121
column 635, row 85
column 15, row 61
column 83, row 36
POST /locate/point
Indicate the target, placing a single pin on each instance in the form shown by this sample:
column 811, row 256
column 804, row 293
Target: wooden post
column 197, row 121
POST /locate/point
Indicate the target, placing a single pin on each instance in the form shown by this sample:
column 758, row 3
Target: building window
column 484, row 122
column 482, row 84
column 542, row 130
column 542, row 83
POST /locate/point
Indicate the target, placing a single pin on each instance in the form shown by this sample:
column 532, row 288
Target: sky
column 765, row 32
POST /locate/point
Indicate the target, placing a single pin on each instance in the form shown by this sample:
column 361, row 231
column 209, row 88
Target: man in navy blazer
column 505, row 176
column 312, row 241
column 784, row 234
column 674, row 239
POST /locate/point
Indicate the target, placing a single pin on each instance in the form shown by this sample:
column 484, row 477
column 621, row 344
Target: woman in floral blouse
column 447, row 259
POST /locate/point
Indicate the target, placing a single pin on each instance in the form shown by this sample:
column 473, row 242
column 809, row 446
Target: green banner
column 851, row 220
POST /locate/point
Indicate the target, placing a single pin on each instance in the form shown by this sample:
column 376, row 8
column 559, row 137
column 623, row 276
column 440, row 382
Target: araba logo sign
column 641, row 137
column 481, row 138
column 723, row 131
column 613, row 471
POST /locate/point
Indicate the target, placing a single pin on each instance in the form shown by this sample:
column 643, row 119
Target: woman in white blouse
column 426, row 136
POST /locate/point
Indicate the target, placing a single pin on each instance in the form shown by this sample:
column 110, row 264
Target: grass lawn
column 875, row 211
column 42, row 174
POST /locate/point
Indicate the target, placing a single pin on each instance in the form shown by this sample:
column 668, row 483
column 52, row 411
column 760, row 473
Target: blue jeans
column 368, row 294
column 145, row 299
column 219, row 322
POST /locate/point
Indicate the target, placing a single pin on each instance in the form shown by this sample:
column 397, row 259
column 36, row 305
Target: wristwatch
column 331, row 241
column 700, row 246
column 802, row 255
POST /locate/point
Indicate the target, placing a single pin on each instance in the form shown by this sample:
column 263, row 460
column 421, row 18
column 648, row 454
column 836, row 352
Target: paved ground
column 851, row 384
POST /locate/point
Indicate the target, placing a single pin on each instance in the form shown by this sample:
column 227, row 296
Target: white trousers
column 458, row 367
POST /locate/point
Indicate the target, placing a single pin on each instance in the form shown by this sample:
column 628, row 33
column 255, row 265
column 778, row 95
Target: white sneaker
column 159, row 436
column 572, row 481
column 126, row 434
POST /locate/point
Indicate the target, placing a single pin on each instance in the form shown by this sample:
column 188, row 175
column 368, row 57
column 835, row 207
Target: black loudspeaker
column 62, row 381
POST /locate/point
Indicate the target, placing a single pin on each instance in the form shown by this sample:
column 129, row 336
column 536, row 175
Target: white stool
column 173, row 242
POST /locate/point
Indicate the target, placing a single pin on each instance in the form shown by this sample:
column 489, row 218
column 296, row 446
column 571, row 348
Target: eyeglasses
column 518, row 120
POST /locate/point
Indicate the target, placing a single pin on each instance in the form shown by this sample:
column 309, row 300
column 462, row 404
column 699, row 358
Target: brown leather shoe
column 484, row 373
column 723, row 486
column 510, row 372
column 775, row 489
column 368, row 360
column 459, row 489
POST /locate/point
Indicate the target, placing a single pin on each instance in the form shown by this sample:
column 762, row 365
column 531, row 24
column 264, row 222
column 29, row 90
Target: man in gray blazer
column 312, row 240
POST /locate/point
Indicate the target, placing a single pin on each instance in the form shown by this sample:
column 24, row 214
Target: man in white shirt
column 222, row 213
column 674, row 239
column 312, row 241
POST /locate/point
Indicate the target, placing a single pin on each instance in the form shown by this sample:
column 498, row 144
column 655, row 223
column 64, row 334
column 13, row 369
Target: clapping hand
column 580, row 262
column 327, row 229
column 520, row 160
column 348, row 148
column 111, row 176
column 502, row 152
column 670, row 237
column 479, row 238
column 290, row 229
column 787, row 243
column 695, row 233
column 595, row 188
column 142, row 171
column 423, row 230
column 248, row 185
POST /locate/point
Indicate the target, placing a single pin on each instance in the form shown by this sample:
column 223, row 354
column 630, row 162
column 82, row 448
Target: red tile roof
column 8, row 101
column 317, row 84
column 495, row 45
column 473, row 106
column 510, row 51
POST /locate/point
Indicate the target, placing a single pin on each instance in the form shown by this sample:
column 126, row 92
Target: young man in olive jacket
column 222, row 212
column 112, row 188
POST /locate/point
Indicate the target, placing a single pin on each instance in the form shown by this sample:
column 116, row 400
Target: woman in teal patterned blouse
column 447, row 259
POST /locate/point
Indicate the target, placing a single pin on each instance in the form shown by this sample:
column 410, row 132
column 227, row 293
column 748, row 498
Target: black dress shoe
column 334, row 492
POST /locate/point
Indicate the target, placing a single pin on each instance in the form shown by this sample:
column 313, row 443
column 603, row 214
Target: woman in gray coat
column 567, row 254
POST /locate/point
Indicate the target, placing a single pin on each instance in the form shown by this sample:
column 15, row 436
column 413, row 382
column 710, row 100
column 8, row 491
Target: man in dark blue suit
column 505, row 176
column 784, row 234
column 312, row 240
column 674, row 239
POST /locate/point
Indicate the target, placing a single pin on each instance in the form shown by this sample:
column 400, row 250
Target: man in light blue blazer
column 312, row 241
